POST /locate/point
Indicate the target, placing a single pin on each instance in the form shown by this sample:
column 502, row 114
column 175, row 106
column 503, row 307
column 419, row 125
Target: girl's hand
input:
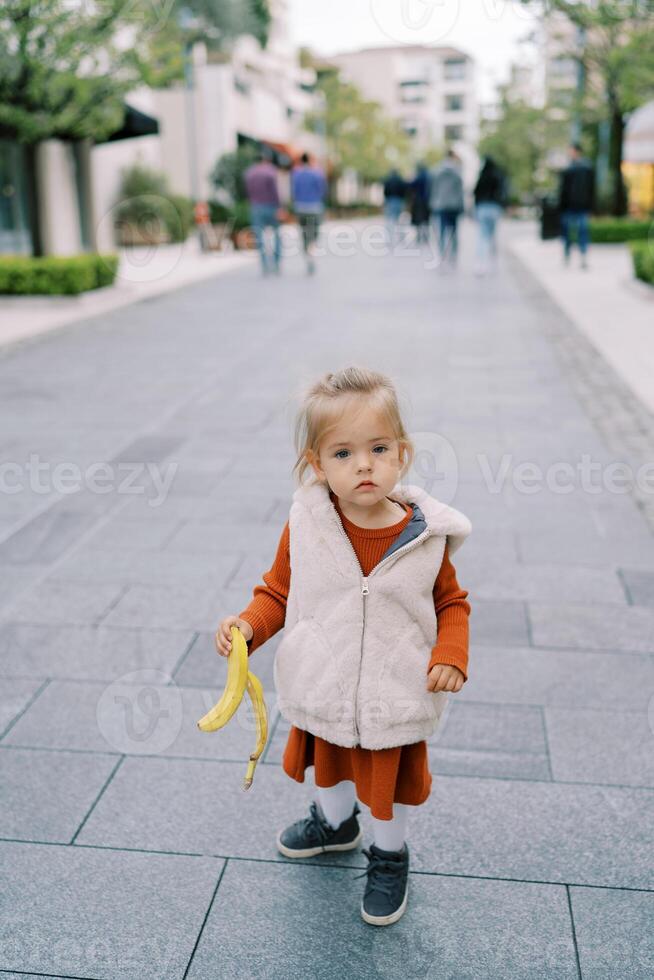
column 224, row 634
column 445, row 677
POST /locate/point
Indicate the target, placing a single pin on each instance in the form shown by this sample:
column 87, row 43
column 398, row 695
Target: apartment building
column 430, row 91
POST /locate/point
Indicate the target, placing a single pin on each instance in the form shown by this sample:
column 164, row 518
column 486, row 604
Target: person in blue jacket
column 308, row 191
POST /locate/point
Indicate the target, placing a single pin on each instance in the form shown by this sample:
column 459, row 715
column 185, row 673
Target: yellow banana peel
column 239, row 677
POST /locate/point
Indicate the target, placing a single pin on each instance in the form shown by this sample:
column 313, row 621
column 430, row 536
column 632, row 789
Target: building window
column 455, row 68
column 454, row 103
column 453, row 133
column 413, row 91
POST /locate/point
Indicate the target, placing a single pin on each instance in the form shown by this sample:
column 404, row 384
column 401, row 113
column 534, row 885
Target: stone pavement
column 129, row 850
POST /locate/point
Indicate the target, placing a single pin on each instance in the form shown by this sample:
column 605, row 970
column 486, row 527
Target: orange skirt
column 381, row 776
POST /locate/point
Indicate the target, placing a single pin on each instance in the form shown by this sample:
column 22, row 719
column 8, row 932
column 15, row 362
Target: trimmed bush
column 54, row 275
column 642, row 254
column 618, row 230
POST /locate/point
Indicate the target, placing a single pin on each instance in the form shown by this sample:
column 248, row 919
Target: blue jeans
column 265, row 216
column 487, row 213
column 393, row 207
column 578, row 220
column 447, row 231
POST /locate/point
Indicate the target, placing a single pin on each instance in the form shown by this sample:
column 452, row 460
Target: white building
column 430, row 91
column 251, row 94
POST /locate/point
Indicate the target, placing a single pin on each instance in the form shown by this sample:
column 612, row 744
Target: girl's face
column 360, row 450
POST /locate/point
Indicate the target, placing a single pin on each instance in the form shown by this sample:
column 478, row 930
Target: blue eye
column 385, row 449
column 338, row 454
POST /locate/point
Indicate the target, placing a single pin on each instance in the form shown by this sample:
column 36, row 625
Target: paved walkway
column 613, row 310
column 129, row 850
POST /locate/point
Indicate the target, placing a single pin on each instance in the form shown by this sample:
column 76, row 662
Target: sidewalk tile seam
column 28, row 705
column 98, row 797
column 573, row 930
column 205, row 918
column 311, row 862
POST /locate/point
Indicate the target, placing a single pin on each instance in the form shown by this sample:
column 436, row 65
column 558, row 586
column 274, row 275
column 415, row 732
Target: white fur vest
column 351, row 666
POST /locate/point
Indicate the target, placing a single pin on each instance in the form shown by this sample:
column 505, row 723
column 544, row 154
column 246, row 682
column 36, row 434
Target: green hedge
column 642, row 254
column 53, row 275
column 618, row 229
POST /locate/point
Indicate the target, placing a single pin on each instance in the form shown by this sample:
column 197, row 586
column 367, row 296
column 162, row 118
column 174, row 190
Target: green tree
column 65, row 70
column 358, row 134
column 617, row 56
column 520, row 140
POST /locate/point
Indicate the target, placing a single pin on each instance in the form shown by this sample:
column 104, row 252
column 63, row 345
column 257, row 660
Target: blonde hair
column 326, row 401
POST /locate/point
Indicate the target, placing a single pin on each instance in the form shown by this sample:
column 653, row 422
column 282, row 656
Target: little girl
column 375, row 628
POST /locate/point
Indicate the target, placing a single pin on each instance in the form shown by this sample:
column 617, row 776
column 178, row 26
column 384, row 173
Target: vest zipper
column 365, row 591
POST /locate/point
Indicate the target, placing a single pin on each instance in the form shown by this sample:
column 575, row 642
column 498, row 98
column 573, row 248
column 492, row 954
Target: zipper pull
column 364, row 587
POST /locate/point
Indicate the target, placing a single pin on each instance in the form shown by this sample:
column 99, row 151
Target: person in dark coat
column 490, row 198
column 576, row 201
column 420, row 213
column 394, row 194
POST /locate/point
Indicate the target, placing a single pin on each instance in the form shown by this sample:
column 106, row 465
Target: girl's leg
column 337, row 802
column 390, row 835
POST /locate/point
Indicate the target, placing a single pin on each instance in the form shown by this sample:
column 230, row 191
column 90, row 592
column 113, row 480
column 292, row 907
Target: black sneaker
column 387, row 889
column 314, row 834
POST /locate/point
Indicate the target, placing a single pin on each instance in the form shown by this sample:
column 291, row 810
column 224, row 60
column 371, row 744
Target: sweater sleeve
column 452, row 612
column 266, row 612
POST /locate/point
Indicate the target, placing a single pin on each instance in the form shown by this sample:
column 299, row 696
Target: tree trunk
column 618, row 189
column 33, row 202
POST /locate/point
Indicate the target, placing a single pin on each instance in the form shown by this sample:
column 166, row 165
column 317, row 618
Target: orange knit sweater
column 381, row 776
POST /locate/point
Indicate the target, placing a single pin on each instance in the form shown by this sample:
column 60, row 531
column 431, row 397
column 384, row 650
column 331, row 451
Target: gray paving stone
column 91, row 913
column 137, row 535
column 15, row 694
column 613, row 931
column 71, row 603
column 640, row 585
column 206, row 810
column 129, row 566
column 87, row 653
column 498, row 622
column 605, row 746
column 210, row 537
column 596, row 627
column 550, row 831
column 579, row 547
column 136, row 719
column 14, row 579
column 46, row 536
column 498, row 580
column 46, row 795
column 185, row 607
column 620, row 681
column 485, row 928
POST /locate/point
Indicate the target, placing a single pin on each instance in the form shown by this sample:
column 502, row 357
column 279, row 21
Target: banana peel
column 239, row 678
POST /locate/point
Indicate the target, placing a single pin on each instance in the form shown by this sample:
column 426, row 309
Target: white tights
column 337, row 803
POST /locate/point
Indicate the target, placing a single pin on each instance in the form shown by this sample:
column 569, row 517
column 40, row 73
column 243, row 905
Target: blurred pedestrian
column 420, row 203
column 394, row 195
column 263, row 194
column 308, row 191
column 576, row 201
column 490, row 198
column 446, row 203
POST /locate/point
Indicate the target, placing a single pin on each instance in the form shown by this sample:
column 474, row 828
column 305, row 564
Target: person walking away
column 576, row 201
column 420, row 203
column 308, row 191
column 375, row 628
column 263, row 194
column 490, row 198
column 446, row 204
column 394, row 195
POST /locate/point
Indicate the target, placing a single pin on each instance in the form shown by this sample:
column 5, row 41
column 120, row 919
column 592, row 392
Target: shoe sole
column 386, row 920
column 312, row 851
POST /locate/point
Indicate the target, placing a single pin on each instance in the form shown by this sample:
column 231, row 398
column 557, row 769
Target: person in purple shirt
column 308, row 191
column 263, row 194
